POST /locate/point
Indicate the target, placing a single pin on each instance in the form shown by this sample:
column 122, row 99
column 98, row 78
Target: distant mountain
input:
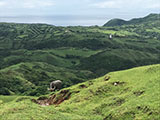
column 115, row 22
column 119, row 22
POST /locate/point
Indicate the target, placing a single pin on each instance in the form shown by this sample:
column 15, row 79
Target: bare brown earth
column 55, row 99
column 58, row 98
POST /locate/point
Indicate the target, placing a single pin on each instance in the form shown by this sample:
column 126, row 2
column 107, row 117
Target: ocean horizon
column 58, row 20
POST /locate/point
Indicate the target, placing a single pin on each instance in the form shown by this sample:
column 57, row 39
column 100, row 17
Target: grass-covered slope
column 33, row 78
column 118, row 22
column 123, row 95
column 115, row 22
column 72, row 54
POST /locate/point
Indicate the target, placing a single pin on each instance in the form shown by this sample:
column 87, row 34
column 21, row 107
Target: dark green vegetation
column 135, row 96
column 119, row 22
column 32, row 55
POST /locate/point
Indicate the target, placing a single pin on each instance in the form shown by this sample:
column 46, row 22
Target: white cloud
column 2, row 3
column 130, row 4
column 38, row 3
column 26, row 3
column 105, row 4
column 154, row 6
column 86, row 7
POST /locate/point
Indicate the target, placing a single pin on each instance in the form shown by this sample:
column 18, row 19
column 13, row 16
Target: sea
column 61, row 20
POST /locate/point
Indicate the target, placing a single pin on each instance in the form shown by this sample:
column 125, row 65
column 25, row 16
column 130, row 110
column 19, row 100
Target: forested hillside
column 33, row 55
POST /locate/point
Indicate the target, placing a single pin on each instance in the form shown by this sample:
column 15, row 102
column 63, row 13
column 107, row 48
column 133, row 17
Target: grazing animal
column 55, row 85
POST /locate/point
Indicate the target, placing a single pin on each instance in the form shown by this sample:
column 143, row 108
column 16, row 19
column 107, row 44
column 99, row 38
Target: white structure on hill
column 110, row 36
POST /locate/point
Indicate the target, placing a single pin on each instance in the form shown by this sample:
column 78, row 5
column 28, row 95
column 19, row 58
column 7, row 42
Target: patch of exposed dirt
column 55, row 99
column 117, row 102
column 90, row 83
column 106, row 78
column 82, row 86
column 138, row 93
column 144, row 109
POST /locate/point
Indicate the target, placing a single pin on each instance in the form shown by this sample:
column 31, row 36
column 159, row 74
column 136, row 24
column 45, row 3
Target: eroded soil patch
column 55, row 99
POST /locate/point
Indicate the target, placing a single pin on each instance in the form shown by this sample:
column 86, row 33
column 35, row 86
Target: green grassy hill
column 33, row 78
column 115, row 22
column 122, row 95
column 118, row 22
column 32, row 55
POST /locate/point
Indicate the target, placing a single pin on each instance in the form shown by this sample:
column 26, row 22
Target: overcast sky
column 112, row 8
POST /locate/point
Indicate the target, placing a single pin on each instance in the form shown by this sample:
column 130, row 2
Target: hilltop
column 118, row 22
column 121, row 95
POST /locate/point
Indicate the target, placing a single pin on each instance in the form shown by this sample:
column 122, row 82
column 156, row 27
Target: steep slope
column 123, row 95
column 119, row 22
column 118, row 59
column 33, row 78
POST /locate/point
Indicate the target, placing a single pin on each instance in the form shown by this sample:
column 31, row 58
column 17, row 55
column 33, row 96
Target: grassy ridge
column 135, row 96
column 118, row 22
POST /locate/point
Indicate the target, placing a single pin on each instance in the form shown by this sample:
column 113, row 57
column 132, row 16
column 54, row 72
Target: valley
column 109, row 72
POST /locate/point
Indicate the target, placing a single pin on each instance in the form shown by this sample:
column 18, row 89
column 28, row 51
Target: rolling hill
column 122, row 95
column 33, row 55
column 33, row 78
column 118, row 22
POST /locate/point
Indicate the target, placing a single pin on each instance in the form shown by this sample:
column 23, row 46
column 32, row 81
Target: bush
column 4, row 91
